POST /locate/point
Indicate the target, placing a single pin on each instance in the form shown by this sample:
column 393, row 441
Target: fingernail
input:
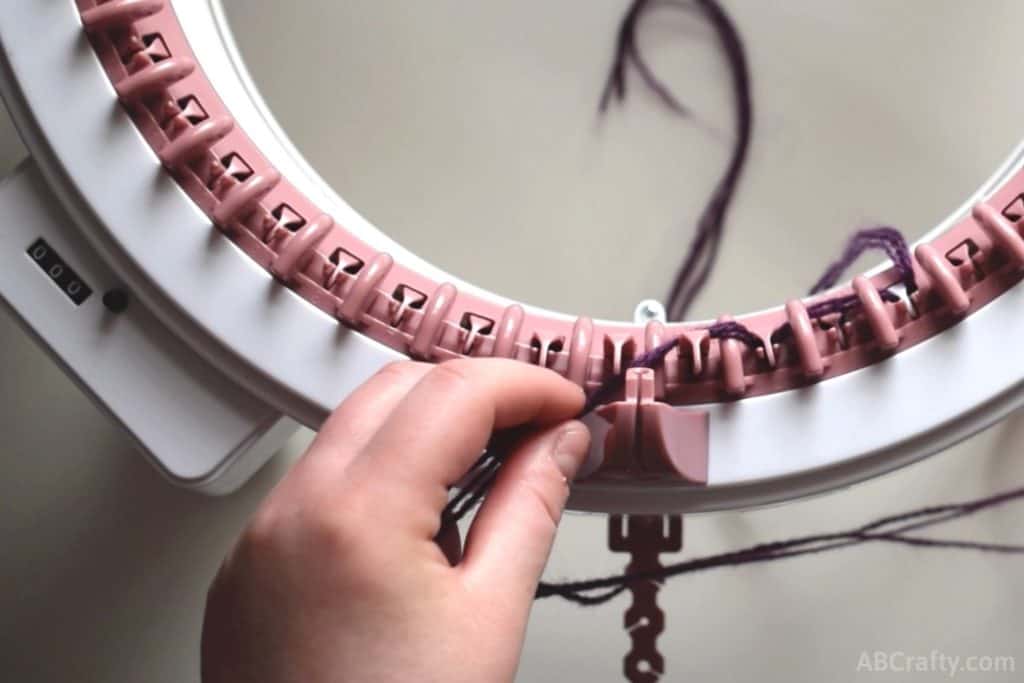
column 571, row 449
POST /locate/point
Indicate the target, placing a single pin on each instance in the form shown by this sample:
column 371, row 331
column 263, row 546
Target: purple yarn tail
column 700, row 259
column 886, row 239
column 704, row 248
column 627, row 52
column 892, row 529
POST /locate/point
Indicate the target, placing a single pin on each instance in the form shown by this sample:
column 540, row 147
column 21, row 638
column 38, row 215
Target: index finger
column 444, row 423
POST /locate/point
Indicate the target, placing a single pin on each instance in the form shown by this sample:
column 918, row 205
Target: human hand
column 338, row 576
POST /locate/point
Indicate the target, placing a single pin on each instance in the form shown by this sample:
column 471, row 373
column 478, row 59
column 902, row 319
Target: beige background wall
column 468, row 131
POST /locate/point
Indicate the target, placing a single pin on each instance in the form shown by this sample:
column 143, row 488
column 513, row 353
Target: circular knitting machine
column 179, row 257
column 143, row 125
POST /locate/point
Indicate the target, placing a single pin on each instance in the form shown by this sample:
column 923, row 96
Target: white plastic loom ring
column 199, row 163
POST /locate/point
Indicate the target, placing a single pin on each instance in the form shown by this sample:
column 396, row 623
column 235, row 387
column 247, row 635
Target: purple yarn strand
column 887, row 239
column 702, row 253
column 704, row 248
column 628, row 52
column 734, row 330
column 581, row 592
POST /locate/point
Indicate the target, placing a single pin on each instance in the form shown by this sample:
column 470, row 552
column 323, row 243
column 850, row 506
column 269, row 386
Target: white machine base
column 200, row 430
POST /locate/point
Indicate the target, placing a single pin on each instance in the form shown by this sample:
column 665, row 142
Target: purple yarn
column 656, row 356
column 734, row 330
column 650, row 359
column 840, row 304
column 888, row 240
column 891, row 529
column 702, row 253
column 627, row 52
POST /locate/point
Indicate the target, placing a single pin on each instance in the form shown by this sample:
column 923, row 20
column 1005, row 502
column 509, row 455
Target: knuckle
column 336, row 541
column 348, row 555
column 259, row 545
column 403, row 370
column 337, row 535
column 450, row 377
column 263, row 529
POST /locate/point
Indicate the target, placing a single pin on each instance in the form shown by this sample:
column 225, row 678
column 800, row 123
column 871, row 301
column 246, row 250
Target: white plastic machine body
column 200, row 429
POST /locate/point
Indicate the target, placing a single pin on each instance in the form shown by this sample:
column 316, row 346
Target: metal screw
column 648, row 310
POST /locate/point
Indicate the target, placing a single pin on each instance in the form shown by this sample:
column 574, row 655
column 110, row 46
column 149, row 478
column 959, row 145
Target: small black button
column 116, row 300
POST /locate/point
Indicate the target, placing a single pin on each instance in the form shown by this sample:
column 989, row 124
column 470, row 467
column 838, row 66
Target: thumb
column 510, row 539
